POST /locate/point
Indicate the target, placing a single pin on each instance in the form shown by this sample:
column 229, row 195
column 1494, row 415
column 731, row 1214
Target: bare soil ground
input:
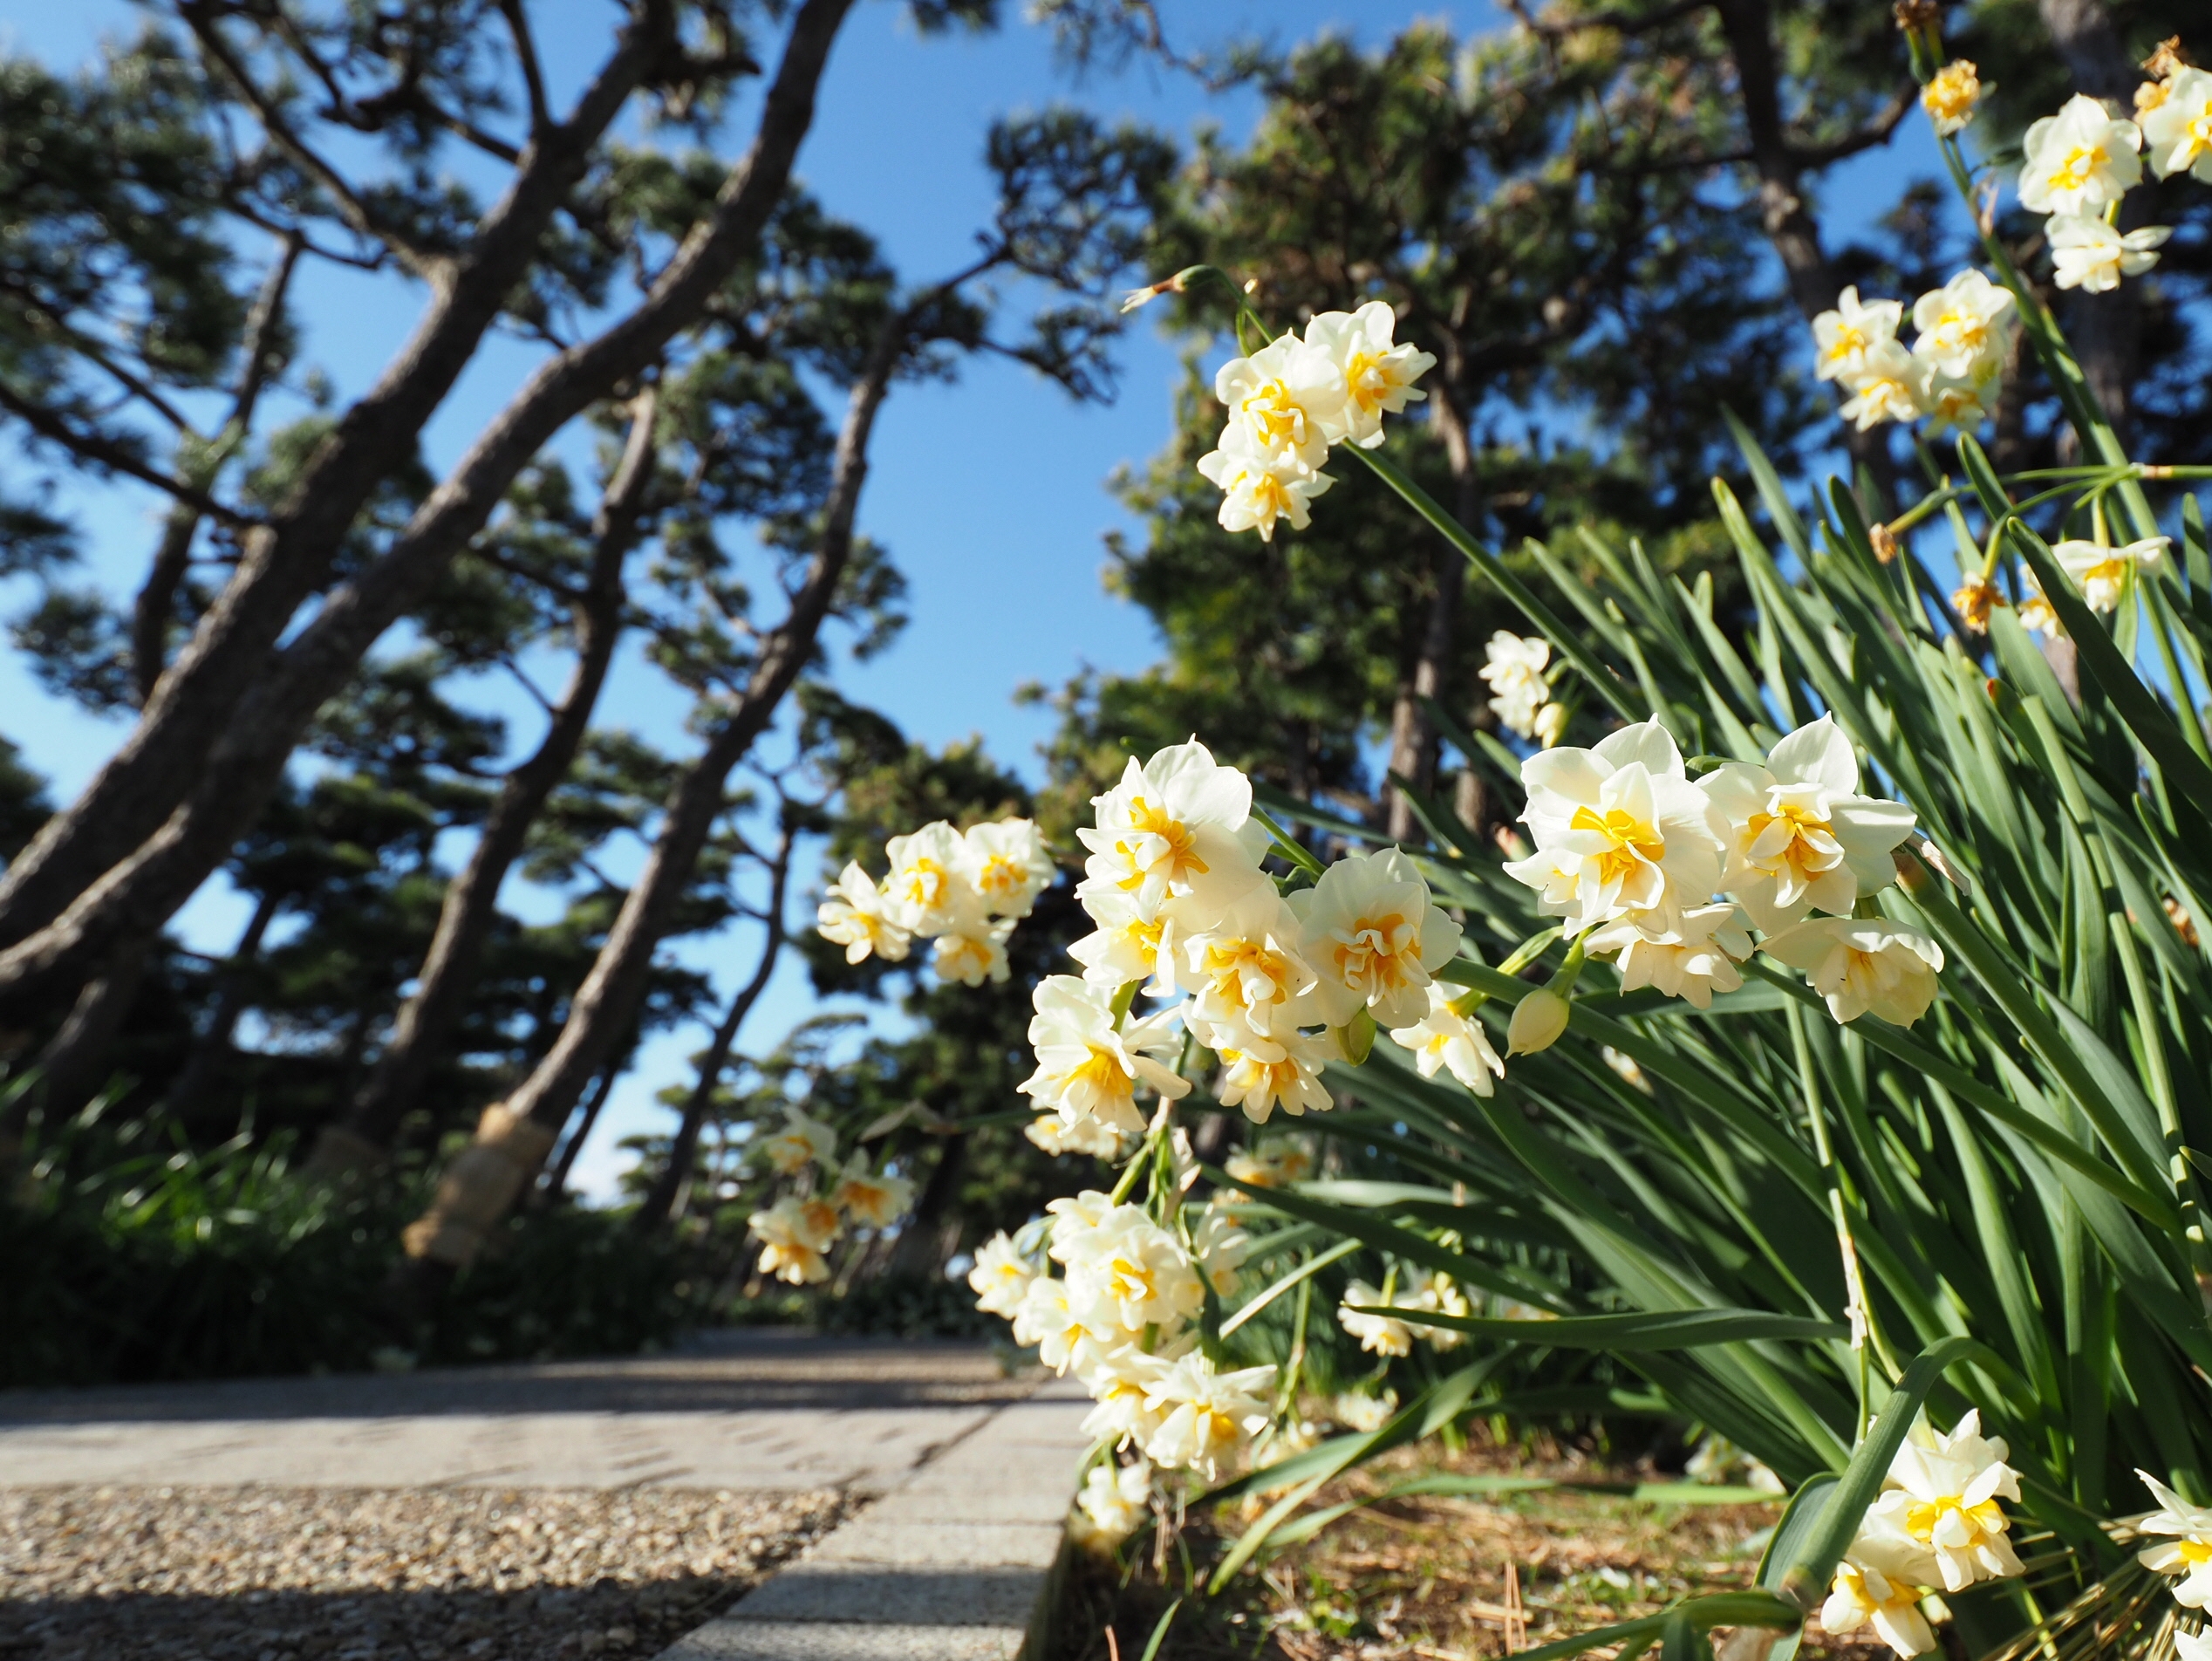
column 1442, row 1579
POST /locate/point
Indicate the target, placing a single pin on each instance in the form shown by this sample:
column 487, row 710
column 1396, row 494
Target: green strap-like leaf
column 2136, row 704
column 1641, row 1330
column 1805, row 1580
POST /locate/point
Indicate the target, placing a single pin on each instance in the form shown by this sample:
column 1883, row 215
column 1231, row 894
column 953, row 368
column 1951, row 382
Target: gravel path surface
column 300, row 1575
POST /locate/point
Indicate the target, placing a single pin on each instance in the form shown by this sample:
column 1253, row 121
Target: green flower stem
column 2074, row 390
column 1521, row 956
column 2148, row 1020
column 1289, row 845
column 1864, row 1337
column 1569, row 641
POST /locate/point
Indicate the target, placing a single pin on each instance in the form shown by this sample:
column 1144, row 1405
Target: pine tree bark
column 2105, row 330
column 1784, row 214
column 556, row 1180
column 425, row 1021
column 196, row 701
column 1413, row 735
column 156, row 600
column 232, row 775
column 515, row 1135
column 659, row 1207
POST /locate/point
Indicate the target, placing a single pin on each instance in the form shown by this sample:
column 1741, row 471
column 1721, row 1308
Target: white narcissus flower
column 1001, row 1276
column 1286, row 398
column 1222, row 1246
column 1690, row 955
column 1261, row 1074
column 2036, row 611
column 1115, row 1500
column 2188, row 1553
column 1205, row 1415
column 1077, row 1221
column 1551, row 725
column 1942, row 1495
column 1088, row 1069
column 793, row 1235
column 1127, row 944
column 1117, row 1383
column 1130, row 1273
column 1959, row 403
column 1243, row 973
column 1364, row 1413
column 1444, row 1038
column 2102, row 574
column 1053, row 1134
column 1862, row 965
column 1124, row 1270
column 1800, row 836
column 1844, row 339
column 870, row 1199
column 1048, row 1321
column 1007, row 864
column 1179, row 826
column 1432, row 1293
column 1258, row 493
column 1377, row 373
column 1962, row 324
column 1380, row 1335
column 857, row 915
column 2192, row 1646
column 926, row 888
column 802, row 1142
column 1950, row 95
column 2080, row 160
column 1887, row 388
column 1280, row 1164
column 1864, row 1596
column 972, row 947
column 1514, row 668
column 2178, row 127
column 1374, row 937
column 2089, row 254
column 1618, row 828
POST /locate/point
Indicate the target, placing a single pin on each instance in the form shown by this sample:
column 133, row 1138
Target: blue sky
column 990, row 493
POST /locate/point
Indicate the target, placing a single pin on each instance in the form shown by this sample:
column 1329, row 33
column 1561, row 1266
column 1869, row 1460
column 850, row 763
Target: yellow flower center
column 2080, row 162
column 1001, row 874
column 1371, row 953
column 1235, row 965
column 1963, row 329
column 1102, row 1070
column 1131, row 1280
column 1634, row 842
column 1274, row 415
column 2195, row 1552
column 1849, row 342
column 1985, row 1518
column 1799, row 852
column 1370, row 380
column 1274, row 1078
column 924, row 883
column 1181, row 858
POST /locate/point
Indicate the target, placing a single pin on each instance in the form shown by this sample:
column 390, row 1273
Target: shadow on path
column 723, row 1373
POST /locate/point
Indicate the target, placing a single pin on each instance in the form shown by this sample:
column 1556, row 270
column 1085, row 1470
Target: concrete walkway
column 975, row 1471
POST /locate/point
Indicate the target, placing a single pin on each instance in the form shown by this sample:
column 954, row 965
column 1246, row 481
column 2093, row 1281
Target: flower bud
column 1355, row 1038
column 1538, row 1021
